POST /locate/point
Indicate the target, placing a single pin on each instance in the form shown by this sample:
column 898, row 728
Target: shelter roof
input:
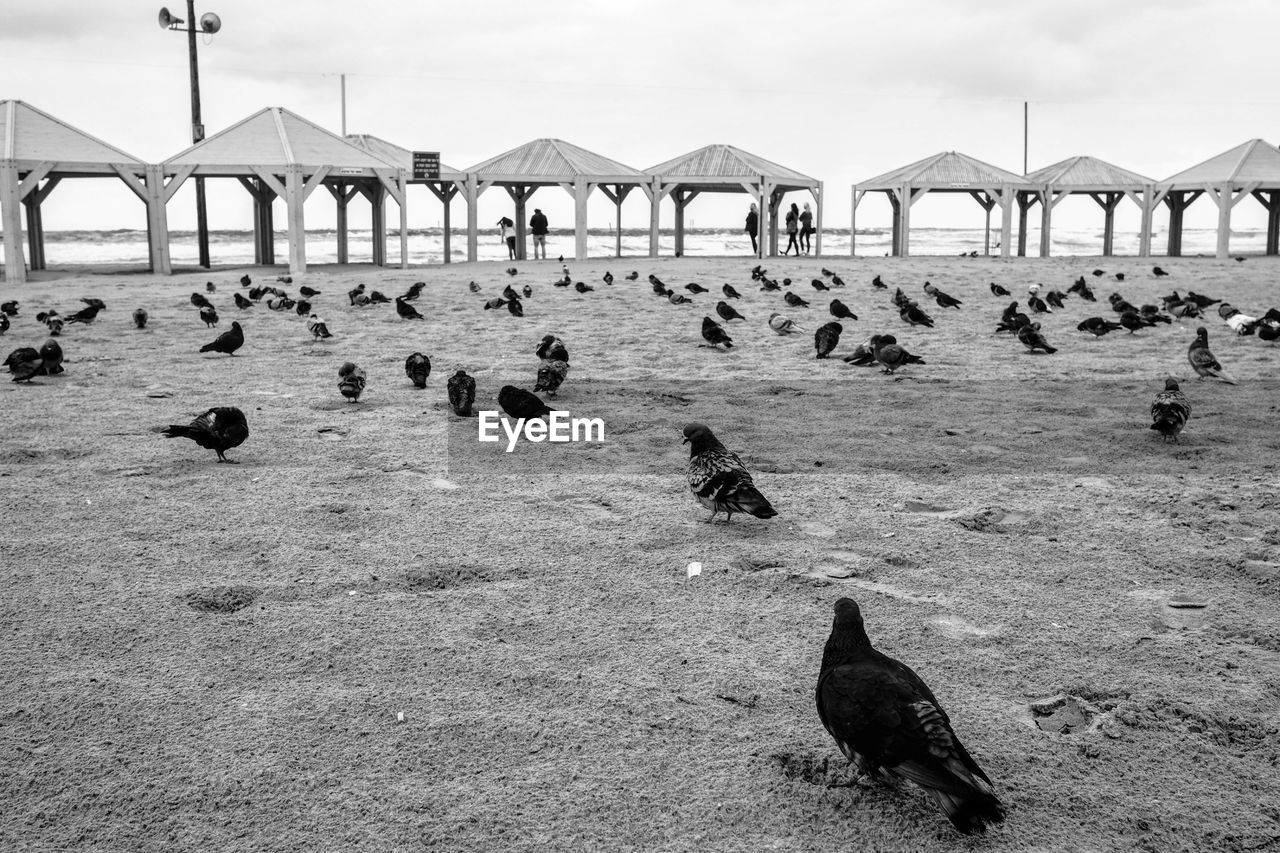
column 394, row 154
column 1255, row 160
column 554, row 161
column 948, row 170
column 1087, row 173
column 31, row 136
column 726, row 164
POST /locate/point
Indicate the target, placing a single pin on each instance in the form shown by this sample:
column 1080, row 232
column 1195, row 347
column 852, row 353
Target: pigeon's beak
column 685, row 440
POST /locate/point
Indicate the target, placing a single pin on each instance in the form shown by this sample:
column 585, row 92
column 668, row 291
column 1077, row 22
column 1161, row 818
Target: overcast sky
column 841, row 91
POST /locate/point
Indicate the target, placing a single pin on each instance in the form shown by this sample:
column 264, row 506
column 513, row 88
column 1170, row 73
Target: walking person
column 538, row 227
column 508, row 235
column 793, row 227
column 806, row 227
column 753, row 228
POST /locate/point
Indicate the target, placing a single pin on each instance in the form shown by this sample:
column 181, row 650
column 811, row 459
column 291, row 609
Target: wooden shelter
column 549, row 163
column 725, row 169
column 443, row 188
column 276, row 153
column 1105, row 183
column 1249, row 169
column 37, row 152
column 948, row 172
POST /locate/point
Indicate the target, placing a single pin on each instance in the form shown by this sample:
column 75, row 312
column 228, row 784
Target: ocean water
column 426, row 246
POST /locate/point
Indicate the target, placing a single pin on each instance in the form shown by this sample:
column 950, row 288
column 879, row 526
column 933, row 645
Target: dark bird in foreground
column 841, row 311
column 229, row 341
column 303, row 308
column 1158, row 273
column 1055, row 298
column 140, row 317
column 1170, row 411
column 351, row 381
column 714, row 334
column 718, row 479
column 730, row 292
column 886, row 720
column 998, row 290
column 915, row 315
column 417, row 367
column 462, row 393
column 1098, row 326
column 378, row 298
column 553, row 348
column 944, row 300
column 583, row 287
column 51, row 358
column 218, row 429
column 837, row 281
column 521, row 404
column 85, row 315
column 407, row 311
column 241, row 302
column 1202, row 361
column 1031, row 338
column 10, row 308
column 515, row 307
column 200, row 300
column 727, row 312
column 24, row 363
column 826, row 338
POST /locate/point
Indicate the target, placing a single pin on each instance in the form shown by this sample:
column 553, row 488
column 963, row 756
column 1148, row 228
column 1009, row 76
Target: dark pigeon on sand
column 841, row 311
column 727, row 312
column 417, row 367
column 826, row 338
column 209, row 316
column 308, row 292
column 718, row 479
column 944, row 300
column 521, row 404
column 1170, row 411
column 1031, row 338
column 407, row 311
column 793, row 300
column 9, row 308
column 890, row 355
column 462, row 393
column 24, row 363
column 1098, row 326
column 714, row 334
column 878, row 283
column 200, row 300
column 997, row 290
column 86, row 315
column 140, row 317
column 1202, row 360
column 885, row 719
column 229, row 341
column 1158, row 273
column 818, row 284
column 318, row 328
column 51, row 358
column 218, row 429
column 351, row 381
column 694, row 287
column 241, row 302
column 730, row 292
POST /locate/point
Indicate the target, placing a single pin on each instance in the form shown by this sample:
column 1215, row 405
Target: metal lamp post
column 209, row 24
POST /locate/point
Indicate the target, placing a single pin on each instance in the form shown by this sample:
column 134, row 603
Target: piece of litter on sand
column 446, row 485
column 694, row 569
column 399, row 716
column 351, row 592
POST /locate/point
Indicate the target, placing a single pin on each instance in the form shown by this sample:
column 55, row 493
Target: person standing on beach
column 538, row 227
column 753, row 228
column 793, row 226
column 508, row 235
column 806, row 227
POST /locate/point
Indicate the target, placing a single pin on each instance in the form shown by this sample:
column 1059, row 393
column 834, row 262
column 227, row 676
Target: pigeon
column 1133, row 321
column 1202, row 361
column 4, row 323
column 678, row 299
column 521, row 404
column 887, row 720
column 730, row 292
column 583, row 287
column 308, row 291
column 351, row 294
column 837, row 281
column 551, row 375
column 509, row 292
column 229, row 341
column 818, row 284
column 527, row 291
column 1152, row 315
column 210, row 286
column 9, row 308
column 1033, row 340
column 85, row 315
column 757, row 272
column 515, row 307
column 828, row 273
column 284, row 303
column 1079, row 286
column 24, row 363
column 900, row 299
column 793, row 300
column 511, row 270
column 1170, row 411
column 285, row 279
column 200, row 300
column 877, row 283
column 782, row 325
column 1269, row 330
column 317, row 328
column 140, row 317
column 1097, row 273
column 915, row 315
column 714, row 334
column 891, row 356
column 417, row 367
column 245, row 281
column 607, row 278
column 863, row 354
column 826, row 338
column 219, row 429
column 727, row 312
column 1098, row 326
column 841, row 311
column 633, row 275
column 997, row 290
column 1119, row 305
column 496, row 302
column 94, row 302
column 407, row 311
column 553, row 348
column 303, row 308
column 1201, row 301
column 351, row 381
column 768, row 284
column 694, row 287
column 241, row 302
column 659, row 289
column 1011, row 319
column 718, row 479
column 256, row 293
column 1037, row 305
column 377, row 298
column 560, row 260
column 462, row 393
column 1159, row 273
column 209, row 316
column 943, row 300
column 1055, row 298
column 51, row 320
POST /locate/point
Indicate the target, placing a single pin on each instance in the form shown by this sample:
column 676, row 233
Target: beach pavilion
column 948, row 172
column 37, row 152
column 444, row 188
column 725, row 169
column 1250, row 169
column 1105, row 183
column 276, row 153
column 549, row 163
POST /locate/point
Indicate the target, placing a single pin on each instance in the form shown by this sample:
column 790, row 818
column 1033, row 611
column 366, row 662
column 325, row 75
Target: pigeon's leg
column 713, row 516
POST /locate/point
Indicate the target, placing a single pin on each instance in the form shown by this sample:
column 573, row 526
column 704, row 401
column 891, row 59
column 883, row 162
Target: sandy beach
column 446, row 646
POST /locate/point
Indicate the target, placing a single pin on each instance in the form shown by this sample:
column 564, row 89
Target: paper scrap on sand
column 694, row 569
column 446, row 485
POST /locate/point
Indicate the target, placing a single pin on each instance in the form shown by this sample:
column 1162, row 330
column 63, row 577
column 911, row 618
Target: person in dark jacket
column 538, row 227
column 806, row 227
column 793, row 228
column 753, row 228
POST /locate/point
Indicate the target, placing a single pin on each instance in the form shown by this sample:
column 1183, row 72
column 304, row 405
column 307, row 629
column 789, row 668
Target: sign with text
column 426, row 165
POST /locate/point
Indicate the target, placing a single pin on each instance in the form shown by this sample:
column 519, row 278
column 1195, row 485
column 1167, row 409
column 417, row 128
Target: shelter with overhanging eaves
column 1250, row 169
column 1105, row 183
column 37, row 152
column 275, row 153
column 444, row 188
column 549, row 163
column 948, row 172
column 726, row 169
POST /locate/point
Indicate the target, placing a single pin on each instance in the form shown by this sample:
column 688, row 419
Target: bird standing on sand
column 85, row 315
column 209, row 315
column 358, row 290
column 879, row 284
column 51, row 358
column 914, row 315
column 1202, row 360
column 462, row 393
column 583, row 287
column 229, row 341
column 218, row 429
column 794, row 300
column 727, row 312
column 841, row 311
column 885, row 719
column 241, row 302
column 694, row 287
column 308, row 292
column 1158, row 273
column 200, row 300
column 417, row 367
column 1170, row 411
column 864, row 354
column 10, row 308
column 1030, row 336
column 1098, row 326
column 818, row 284
column 826, row 338
column 317, row 328
column 891, row 356
column 714, row 334
column 140, row 317
column 944, row 300
column 997, row 290
column 407, row 311
column 782, row 325
column 678, row 298
column 730, row 291
column 351, row 381
column 515, row 307
column 555, row 364
column 24, row 363
column 718, row 479
column 522, row 405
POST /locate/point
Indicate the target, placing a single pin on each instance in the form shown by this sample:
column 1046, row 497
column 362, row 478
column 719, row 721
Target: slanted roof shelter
column 1105, row 183
column 1251, row 168
column 549, row 163
column 726, row 169
column 275, row 152
column 36, row 147
column 946, row 172
column 444, row 188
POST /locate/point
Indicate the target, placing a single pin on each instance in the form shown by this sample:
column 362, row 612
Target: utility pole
column 197, row 134
column 343, row 78
column 1026, row 135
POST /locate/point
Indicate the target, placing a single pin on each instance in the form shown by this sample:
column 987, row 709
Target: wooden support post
column 295, row 200
column 767, row 221
column 817, row 222
column 678, row 198
column 448, row 192
column 654, row 192
column 1270, row 199
column 35, row 253
column 1025, row 200
column 520, row 194
column 472, row 186
column 342, row 195
column 853, row 220
column 581, row 193
column 1148, row 204
column 895, row 204
column 158, row 221
column 15, row 267
column 1006, row 221
column 908, row 197
column 1108, row 202
column 1223, row 197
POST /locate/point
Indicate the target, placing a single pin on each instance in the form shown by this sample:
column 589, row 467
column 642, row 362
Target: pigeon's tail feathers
column 745, row 498
column 970, row 813
column 210, row 347
column 1049, row 349
column 177, row 431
